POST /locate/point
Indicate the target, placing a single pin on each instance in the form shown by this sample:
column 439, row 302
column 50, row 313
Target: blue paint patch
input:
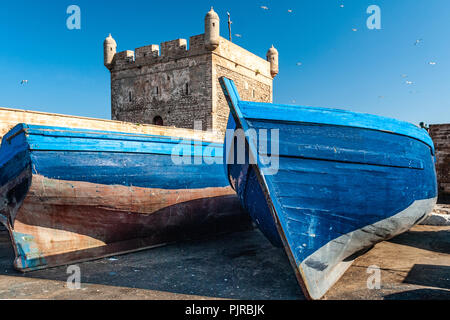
column 28, row 254
column 333, row 178
column 139, row 170
column 112, row 158
column 331, row 117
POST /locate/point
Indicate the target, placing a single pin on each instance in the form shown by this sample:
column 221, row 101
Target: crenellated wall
column 156, row 54
column 440, row 133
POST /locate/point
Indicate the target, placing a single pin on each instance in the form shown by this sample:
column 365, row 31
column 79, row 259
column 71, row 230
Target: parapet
column 197, row 44
column 153, row 54
column 178, row 49
column 123, row 58
column 208, row 43
column 147, row 51
column 126, row 55
column 174, row 49
column 147, row 55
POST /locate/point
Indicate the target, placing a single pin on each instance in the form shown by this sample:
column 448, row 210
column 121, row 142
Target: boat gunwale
column 375, row 122
column 117, row 135
column 130, row 125
column 37, row 130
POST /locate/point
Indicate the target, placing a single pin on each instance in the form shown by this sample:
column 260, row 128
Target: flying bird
column 432, row 63
column 354, row 29
column 264, row 8
column 290, row 10
column 409, row 82
column 417, row 42
column 299, row 64
column 24, row 82
column 237, row 35
column 341, row 5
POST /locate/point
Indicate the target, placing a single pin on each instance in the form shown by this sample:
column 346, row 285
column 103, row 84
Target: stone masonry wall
column 250, row 73
column 175, row 91
column 181, row 85
column 172, row 85
column 441, row 138
column 248, row 88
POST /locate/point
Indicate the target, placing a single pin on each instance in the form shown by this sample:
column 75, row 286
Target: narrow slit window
column 187, row 89
column 130, row 96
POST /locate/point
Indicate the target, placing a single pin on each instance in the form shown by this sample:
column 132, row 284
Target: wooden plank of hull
column 70, row 194
column 63, row 222
column 338, row 189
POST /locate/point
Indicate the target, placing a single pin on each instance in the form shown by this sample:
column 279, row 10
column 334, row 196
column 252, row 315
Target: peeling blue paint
column 28, row 254
column 339, row 172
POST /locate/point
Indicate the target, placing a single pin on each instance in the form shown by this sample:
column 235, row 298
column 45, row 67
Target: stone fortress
column 172, row 85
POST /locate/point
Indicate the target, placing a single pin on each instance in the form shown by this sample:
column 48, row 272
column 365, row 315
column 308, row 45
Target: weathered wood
column 344, row 182
column 69, row 195
column 62, row 222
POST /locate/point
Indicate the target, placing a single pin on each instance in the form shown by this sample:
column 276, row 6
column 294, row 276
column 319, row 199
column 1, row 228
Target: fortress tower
column 173, row 86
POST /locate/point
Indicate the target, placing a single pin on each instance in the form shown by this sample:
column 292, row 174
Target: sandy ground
column 415, row 265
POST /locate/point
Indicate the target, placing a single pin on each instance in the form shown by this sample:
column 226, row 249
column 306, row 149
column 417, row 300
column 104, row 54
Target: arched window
column 158, row 121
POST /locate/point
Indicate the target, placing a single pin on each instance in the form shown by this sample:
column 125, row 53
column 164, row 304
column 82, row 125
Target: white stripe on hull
column 333, row 254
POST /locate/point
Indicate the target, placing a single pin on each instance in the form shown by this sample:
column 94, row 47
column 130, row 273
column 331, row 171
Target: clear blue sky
column 364, row 70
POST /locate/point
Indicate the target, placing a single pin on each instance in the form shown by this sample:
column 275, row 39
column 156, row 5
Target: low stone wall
column 11, row 117
column 440, row 133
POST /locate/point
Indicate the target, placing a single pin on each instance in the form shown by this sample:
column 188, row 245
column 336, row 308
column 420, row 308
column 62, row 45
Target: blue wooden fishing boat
column 70, row 195
column 332, row 185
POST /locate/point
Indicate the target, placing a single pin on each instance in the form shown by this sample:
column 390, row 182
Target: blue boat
column 327, row 184
column 69, row 195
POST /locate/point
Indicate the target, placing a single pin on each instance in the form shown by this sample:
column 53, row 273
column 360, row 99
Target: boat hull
column 337, row 190
column 71, row 204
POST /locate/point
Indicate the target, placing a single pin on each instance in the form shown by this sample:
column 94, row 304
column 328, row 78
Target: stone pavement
column 244, row 265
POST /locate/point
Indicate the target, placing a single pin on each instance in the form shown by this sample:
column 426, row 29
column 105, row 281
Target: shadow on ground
column 437, row 241
column 429, row 275
column 420, row 294
column 241, row 265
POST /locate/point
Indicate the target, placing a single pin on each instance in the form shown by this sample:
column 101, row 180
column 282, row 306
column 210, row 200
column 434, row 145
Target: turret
column 272, row 57
column 109, row 51
column 212, row 30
